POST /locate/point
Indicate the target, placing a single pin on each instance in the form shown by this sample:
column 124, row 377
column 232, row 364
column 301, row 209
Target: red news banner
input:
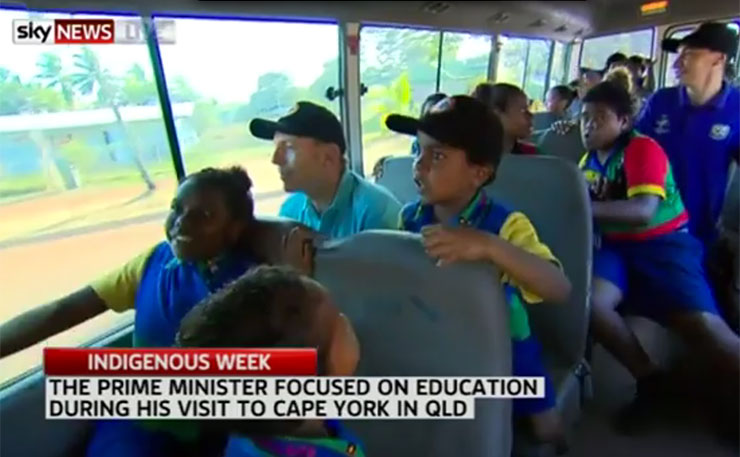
column 179, row 362
column 194, row 383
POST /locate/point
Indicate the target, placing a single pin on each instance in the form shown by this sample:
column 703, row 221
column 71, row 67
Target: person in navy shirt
column 698, row 125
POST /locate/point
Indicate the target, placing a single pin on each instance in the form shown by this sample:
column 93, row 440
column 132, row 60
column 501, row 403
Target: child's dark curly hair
column 236, row 186
column 269, row 306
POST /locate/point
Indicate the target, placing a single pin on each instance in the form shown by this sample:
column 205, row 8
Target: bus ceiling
column 560, row 20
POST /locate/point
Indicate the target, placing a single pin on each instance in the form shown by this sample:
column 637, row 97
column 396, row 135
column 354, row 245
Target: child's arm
column 45, row 321
column 115, row 291
column 637, row 210
column 532, row 272
column 542, row 277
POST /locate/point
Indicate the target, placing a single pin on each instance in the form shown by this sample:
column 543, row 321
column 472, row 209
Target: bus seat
column 269, row 232
column 543, row 120
column 552, row 193
column 397, row 178
column 568, row 146
column 415, row 319
column 26, row 432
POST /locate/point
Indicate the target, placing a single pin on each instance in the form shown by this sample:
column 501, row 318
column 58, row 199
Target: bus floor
column 683, row 429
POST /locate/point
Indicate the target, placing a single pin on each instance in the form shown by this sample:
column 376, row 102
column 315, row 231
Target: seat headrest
column 413, row 318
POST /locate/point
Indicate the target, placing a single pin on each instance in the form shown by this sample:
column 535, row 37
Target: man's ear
column 331, row 153
column 721, row 60
column 625, row 123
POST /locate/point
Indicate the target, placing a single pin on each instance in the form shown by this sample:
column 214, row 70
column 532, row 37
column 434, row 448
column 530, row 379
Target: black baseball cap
column 617, row 57
column 461, row 122
column 714, row 36
column 305, row 119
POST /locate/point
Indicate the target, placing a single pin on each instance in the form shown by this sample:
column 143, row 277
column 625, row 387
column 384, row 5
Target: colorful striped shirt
column 637, row 165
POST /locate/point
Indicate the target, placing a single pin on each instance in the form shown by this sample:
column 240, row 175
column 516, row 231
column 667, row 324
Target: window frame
column 529, row 39
column 168, row 119
column 652, row 41
column 492, row 39
column 158, row 66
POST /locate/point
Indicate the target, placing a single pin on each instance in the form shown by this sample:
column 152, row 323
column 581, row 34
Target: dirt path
column 38, row 272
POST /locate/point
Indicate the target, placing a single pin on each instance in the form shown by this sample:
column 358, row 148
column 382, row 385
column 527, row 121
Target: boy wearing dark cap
column 698, row 126
column 461, row 143
column 327, row 196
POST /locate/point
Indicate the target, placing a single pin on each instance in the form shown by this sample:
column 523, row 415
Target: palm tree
column 394, row 98
column 92, row 76
column 50, row 70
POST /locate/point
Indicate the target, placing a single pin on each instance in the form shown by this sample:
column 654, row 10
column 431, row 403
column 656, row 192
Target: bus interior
column 86, row 180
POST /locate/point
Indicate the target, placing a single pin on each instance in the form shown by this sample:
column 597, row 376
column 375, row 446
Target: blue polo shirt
column 701, row 142
column 358, row 205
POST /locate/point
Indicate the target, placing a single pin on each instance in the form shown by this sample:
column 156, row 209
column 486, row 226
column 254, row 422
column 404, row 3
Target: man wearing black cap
column 698, row 125
column 328, row 197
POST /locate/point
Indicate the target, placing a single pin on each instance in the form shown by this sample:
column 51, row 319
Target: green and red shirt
column 637, row 165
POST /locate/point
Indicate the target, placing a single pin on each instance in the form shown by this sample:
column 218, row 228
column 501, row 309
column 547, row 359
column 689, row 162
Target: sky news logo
column 89, row 31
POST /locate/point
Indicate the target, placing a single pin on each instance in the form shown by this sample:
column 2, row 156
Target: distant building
column 28, row 142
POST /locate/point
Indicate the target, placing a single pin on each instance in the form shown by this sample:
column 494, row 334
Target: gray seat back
column 398, row 179
column 413, row 318
column 568, row 146
column 543, row 120
column 552, row 193
column 24, row 430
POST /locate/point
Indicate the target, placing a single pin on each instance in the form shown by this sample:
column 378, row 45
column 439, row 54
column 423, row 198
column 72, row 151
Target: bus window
column 399, row 68
column 558, row 69
column 464, row 62
column 595, row 51
column 511, row 60
column 259, row 81
column 536, row 69
column 669, row 77
column 81, row 192
column 523, row 62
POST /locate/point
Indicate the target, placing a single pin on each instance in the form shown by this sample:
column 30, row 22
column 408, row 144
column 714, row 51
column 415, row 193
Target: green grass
column 13, row 186
column 17, row 186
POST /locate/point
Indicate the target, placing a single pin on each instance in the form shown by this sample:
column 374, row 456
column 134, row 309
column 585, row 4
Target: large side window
column 595, row 51
column 399, row 68
column 670, row 75
column 512, row 60
column 559, row 63
column 265, row 78
column 523, row 62
column 86, row 175
column 535, row 78
column 465, row 60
